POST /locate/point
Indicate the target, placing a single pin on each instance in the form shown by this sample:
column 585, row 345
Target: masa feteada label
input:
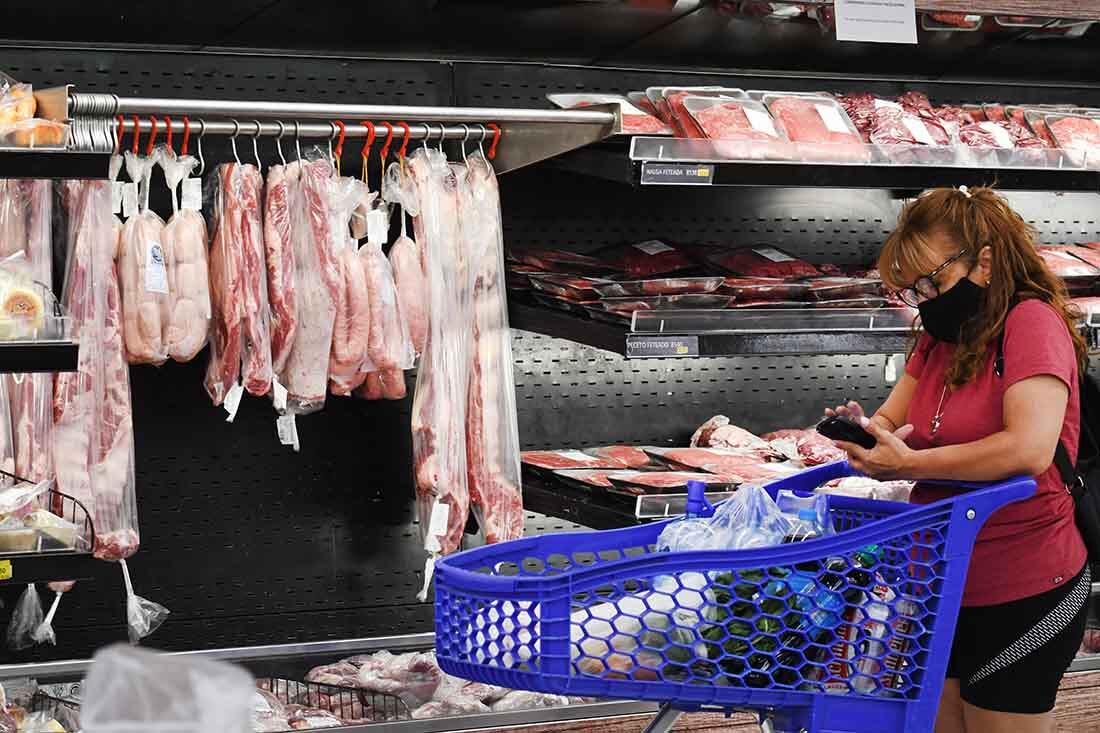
column 698, row 174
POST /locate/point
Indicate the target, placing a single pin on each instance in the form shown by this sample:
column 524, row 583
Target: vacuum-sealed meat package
column 742, row 129
column 908, row 138
column 842, row 288
column 635, row 121
column 185, row 251
column 1079, row 136
column 666, row 302
column 646, row 259
column 354, row 324
column 561, row 459
column 570, row 287
column 818, row 127
column 561, row 261
column 759, row 289
column 640, row 483
column 1062, row 261
column 762, row 261
column 658, row 286
column 143, row 275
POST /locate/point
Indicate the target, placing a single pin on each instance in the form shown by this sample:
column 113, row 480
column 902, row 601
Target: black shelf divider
column 55, row 164
column 20, row 568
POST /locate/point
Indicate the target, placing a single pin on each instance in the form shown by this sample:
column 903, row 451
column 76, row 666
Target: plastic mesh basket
column 848, row 625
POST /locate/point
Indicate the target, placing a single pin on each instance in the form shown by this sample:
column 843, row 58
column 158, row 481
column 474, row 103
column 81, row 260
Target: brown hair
column 980, row 219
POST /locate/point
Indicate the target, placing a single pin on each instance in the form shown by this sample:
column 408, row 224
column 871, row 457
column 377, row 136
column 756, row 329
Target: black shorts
column 1011, row 657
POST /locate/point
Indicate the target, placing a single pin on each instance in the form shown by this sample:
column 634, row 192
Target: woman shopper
column 968, row 262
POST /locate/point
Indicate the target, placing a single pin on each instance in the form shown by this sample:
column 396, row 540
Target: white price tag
column 233, row 400
column 761, row 121
column 116, row 197
column 192, row 194
column 1000, row 135
column 653, row 247
column 881, row 103
column 129, row 199
column 156, row 273
column 378, row 226
column 830, row 115
column 279, row 395
column 576, row 455
column 876, row 21
column 441, row 513
column 919, row 130
column 773, row 254
column 287, row 428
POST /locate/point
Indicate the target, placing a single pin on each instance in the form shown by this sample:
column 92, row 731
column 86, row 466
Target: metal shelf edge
column 22, row 568
column 55, row 164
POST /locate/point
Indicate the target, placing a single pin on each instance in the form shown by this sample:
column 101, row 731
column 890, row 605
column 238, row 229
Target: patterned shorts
column 1011, row 657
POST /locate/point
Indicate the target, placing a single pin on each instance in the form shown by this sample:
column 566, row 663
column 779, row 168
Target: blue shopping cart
column 847, row 633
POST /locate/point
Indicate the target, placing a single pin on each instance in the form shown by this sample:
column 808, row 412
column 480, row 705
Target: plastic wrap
column 26, row 617
column 185, row 244
column 93, row 443
column 646, row 259
column 628, row 455
column 143, row 616
column 719, row 432
column 1074, row 270
column 412, row 287
column 35, row 134
column 635, row 121
column 44, row 633
column 1079, row 136
column 492, row 432
column 226, row 286
column 762, row 261
column 317, row 277
column 666, row 302
column 570, row 287
column 389, row 346
column 805, row 445
column 753, row 289
column 354, row 325
column 256, row 373
column 751, row 519
column 553, row 460
column 143, row 274
column 673, row 100
column 130, row 689
column 282, row 181
column 560, row 261
column 819, row 127
column 659, row 286
column 442, row 385
column 808, row 515
column 842, row 288
column 907, row 138
column 743, row 129
column 637, row 483
column 17, row 102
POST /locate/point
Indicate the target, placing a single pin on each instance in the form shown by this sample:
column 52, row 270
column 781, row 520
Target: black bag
column 1082, row 481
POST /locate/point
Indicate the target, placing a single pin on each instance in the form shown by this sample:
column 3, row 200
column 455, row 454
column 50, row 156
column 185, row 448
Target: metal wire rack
column 350, row 704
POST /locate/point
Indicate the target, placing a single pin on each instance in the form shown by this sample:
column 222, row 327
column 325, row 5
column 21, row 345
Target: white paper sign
column 881, row 103
column 653, row 247
column 378, row 226
column 129, row 199
column 192, row 194
column 279, row 395
column 773, row 254
column 761, row 121
column 831, row 117
column 116, row 197
column 876, row 21
column 156, row 273
column 919, row 130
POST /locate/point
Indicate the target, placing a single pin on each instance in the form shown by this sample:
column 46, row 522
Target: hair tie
column 964, row 191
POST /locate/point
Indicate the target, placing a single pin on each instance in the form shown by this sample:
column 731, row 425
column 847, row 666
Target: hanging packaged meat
column 317, row 278
column 353, row 326
column 143, row 273
column 185, row 245
column 226, row 288
column 256, row 334
column 492, row 433
column 282, row 181
column 439, row 405
column 406, row 258
column 93, row 427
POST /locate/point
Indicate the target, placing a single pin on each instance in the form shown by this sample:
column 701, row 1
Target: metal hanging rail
column 527, row 135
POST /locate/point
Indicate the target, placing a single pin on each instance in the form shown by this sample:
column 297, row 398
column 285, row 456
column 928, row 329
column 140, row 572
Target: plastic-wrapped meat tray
column 570, row 287
column 659, row 286
column 907, row 138
column 1088, row 305
column 648, row 259
column 756, row 289
column 637, row 483
column 561, row 261
column 742, row 129
column 770, row 304
column 635, row 121
column 842, row 288
column 555, row 460
column 576, row 307
column 1079, row 136
column 762, row 261
column 666, row 302
column 819, row 128
column 670, row 101
column 587, row 479
column 597, row 313
column 1074, row 270
column 631, row 456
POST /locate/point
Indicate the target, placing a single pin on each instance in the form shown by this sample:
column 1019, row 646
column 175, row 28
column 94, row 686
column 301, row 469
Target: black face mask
column 943, row 316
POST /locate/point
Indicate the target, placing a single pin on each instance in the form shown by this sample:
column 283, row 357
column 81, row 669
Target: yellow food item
column 37, row 133
column 25, row 304
column 17, row 105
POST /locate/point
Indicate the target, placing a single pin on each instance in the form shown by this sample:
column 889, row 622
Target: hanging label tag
column 576, row 455
column 279, row 394
column 287, row 428
column 881, row 103
column 192, row 194
column 116, row 197
column 233, row 400
column 378, row 226
column 653, row 247
column 156, row 273
column 129, row 199
column 831, row 117
column 919, row 130
column 5, row 570
column 760, row 121
column 441, row 512
column 773, row 254
column 1000, row 135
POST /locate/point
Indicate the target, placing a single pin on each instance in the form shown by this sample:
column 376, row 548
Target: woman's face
column 943, row 248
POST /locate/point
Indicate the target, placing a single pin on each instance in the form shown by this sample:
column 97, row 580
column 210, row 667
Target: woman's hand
column 851, row 410
column 890, row 459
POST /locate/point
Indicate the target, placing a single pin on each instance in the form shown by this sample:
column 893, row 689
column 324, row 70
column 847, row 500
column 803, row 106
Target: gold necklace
column 937, row 419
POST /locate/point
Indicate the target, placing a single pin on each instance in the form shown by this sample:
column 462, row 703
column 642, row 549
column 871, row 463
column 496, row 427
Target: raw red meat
column 256, row 324
column 842, row 288
column 952, row 118
column 571, row 287
column 718, row 432
column 646, row 259
column 744, row 466
column 893, row 127
column 560, row 261
column 1088, row 305
column 757, row 289
column 763, row 262
column 863, row 487
column 860, row 107
column 1079, row 136
column 820, row 128
column 634, row 121
column 742, row 129
column 1089, row 254
column 659, row 286
column 636, row 482
column 685, row 123
column 958, row 20
column 912, row 101
column 628, row 455
column 557, row 459
column 590, row 476
column 995, row 113
column 412, row 289
column 226, row 288
column 279, row 252
column 810, row 446
column 1064, row 264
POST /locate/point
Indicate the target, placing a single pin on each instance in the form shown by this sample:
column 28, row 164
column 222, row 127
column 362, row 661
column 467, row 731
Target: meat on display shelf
column 764, row 332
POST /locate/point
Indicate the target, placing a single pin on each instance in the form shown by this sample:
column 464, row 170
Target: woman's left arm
column 1034, row 409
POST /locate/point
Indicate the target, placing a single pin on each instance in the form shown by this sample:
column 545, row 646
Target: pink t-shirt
column 1027, row 547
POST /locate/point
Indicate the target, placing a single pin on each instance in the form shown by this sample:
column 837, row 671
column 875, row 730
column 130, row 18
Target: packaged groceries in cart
column 820, row 612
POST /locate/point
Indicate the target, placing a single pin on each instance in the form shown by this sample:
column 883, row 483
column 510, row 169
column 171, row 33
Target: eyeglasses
column 924, row 287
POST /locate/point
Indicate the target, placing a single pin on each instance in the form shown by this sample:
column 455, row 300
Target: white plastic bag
column 751, row 519
column 44, row 633
column 25, row 618
column 353, row 325
column 143, row 616
column 130, row 690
